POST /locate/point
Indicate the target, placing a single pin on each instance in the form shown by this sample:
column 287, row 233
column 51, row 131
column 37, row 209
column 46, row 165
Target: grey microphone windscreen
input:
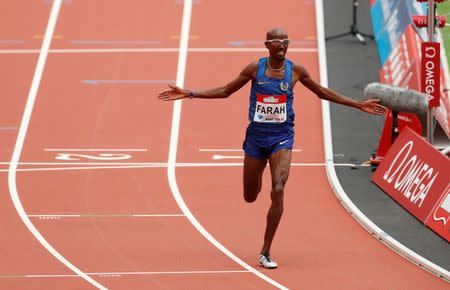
column 398, row 99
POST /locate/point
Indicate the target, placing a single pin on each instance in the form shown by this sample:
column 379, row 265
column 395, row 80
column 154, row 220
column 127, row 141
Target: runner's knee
column 277, row 193
column 249, row 199
column 250, row 196
column 251, row 191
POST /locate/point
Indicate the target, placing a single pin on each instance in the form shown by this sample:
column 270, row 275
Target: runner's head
column 277, row 43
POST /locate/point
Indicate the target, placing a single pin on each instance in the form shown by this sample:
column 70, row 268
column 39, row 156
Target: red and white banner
column 431, row 71
column 403, row 68
column 404, row 120
column 414, row 174
column 439, row 219
column 442, row 113
column 421, row 21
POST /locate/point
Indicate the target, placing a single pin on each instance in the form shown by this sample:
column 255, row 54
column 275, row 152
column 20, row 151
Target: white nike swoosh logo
column 281, row 143
column 262, row 83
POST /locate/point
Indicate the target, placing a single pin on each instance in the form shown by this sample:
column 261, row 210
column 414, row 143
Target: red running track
column 116, row 219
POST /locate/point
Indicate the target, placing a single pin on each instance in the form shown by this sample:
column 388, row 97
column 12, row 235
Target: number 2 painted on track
column 102, row 156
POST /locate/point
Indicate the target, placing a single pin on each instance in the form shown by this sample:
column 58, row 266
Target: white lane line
column 234, row 150
column 220, row 150
column 181, row 70
column 140, row 50
column 125, row 82
column 114, row 42
column 219, row 157
column 165, row 165
column 11, row 41
column 260, row 42
column 179, row 164
column 101, row 156
column 90, row 163
column 339, row 191
column 158, row 215
column 101, row 215
column 8, row 128
column 95, row 149
column 21, row 139
column 118, row 274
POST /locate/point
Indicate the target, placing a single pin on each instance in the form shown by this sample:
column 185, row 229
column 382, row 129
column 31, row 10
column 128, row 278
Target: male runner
column 270, row 134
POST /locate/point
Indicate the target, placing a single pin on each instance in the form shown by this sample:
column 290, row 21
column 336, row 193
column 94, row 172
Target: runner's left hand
column 174, row 93
column 372, row 106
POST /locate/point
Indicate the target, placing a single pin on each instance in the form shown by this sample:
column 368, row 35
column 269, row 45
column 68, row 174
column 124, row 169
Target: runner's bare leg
column 280, row 163
column 253, row 171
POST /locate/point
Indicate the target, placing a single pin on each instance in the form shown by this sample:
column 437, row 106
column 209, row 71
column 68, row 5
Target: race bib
column 270, row 109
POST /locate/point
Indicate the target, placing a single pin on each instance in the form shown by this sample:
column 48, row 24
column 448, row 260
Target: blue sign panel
column 390, row 19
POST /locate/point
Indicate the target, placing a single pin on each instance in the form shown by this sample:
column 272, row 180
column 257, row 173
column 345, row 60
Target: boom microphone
column 398, row 99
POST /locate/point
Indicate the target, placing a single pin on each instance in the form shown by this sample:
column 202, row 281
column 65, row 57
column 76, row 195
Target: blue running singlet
column 271, row 99
column 271, row 113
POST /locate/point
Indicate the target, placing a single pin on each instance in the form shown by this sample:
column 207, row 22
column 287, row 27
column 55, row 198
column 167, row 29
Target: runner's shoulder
column 299, row 70
column 251, row 69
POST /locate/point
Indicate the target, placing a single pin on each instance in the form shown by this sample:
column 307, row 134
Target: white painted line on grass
column 21, row 139
column 141, row 50
column 181, row 69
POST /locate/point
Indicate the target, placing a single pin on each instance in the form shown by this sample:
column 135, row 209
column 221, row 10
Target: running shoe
column 266, row 262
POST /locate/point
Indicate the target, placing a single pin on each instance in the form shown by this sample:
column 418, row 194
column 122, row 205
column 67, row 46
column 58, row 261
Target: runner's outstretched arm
column 369, row 106
column 176, row 93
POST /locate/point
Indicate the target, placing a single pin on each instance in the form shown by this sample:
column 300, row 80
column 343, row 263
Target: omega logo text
column 412, row 176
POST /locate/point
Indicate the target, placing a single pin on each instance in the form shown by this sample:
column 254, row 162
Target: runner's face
column 277, row 49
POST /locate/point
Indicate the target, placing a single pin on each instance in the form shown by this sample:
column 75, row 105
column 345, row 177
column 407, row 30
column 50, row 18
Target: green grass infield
column 444, row 9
